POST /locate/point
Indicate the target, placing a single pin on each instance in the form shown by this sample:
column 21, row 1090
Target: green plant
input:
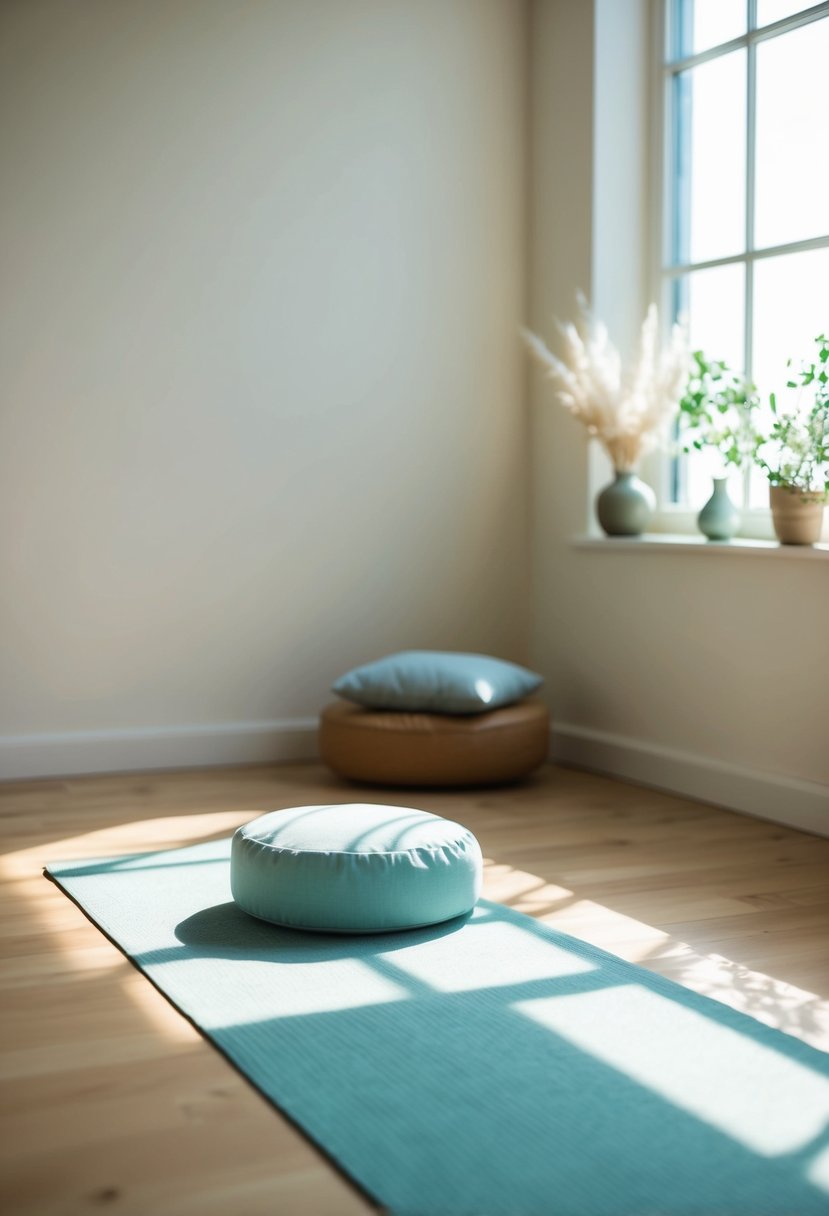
column 795, row 453
column 717, row 411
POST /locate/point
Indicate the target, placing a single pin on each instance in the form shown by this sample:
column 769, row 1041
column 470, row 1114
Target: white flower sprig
column 626, row 413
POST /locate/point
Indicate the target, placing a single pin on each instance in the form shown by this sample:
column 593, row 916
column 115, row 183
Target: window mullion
column 681, row 63
column 751, row 150
column 773, row 251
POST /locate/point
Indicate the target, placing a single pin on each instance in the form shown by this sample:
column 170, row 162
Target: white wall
column 702, row 673
column 262, row 402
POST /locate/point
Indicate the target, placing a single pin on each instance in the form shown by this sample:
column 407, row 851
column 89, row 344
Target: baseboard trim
column 779, row 798
column 782, row 799
column 55, row 755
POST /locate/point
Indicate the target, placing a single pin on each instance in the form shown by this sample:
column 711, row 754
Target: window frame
column 660, row 469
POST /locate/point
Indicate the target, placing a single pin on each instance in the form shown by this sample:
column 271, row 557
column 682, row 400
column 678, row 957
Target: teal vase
column 626, row 506
column 719, row 519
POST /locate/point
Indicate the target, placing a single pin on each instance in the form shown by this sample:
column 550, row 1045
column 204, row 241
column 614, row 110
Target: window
column 745, row 236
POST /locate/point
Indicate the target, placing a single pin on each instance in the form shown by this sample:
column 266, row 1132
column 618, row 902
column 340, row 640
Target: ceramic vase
column 719, row 519
column 797, row 515
column 626, row 506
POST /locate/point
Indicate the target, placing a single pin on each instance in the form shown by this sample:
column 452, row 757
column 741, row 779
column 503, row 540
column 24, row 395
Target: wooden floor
column 112, row 1101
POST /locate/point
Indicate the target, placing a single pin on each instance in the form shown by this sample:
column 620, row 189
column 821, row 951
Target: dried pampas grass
column 627, row 413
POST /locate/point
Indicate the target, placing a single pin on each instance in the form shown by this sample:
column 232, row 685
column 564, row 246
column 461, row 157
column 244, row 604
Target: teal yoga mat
column 488, row 1066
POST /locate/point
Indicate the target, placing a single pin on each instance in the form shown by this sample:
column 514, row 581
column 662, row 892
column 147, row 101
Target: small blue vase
column 625, row 507
column 719, row 519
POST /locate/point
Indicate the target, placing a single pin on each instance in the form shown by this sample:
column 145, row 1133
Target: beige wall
column 702, row 671
column 262, row 403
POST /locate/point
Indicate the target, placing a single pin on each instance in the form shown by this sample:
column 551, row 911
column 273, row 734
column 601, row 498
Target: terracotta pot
column 797, row 515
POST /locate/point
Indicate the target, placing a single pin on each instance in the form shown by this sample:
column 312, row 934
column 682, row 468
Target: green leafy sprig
column 795, row 452
column 717, row 411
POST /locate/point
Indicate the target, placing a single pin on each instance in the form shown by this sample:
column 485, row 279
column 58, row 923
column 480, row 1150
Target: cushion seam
column 352, row 853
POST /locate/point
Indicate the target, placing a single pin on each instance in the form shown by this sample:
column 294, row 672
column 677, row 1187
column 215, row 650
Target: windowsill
column 666, row 542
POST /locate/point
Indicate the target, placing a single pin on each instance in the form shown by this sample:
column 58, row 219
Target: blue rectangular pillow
column 437, row 681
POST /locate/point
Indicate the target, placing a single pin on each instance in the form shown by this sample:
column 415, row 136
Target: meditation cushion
column 354, row 868
column 395, row 748
column 438, row 682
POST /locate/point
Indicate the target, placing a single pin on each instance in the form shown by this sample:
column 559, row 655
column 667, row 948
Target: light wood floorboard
column 112, row 1101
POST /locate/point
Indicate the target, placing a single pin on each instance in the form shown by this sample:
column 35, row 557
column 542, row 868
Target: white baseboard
column 112, row 751
column 782, row 799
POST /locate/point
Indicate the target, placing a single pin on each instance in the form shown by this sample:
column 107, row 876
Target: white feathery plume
column 626, row 413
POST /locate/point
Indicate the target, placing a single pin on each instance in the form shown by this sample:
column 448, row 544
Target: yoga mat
column 489, row 1066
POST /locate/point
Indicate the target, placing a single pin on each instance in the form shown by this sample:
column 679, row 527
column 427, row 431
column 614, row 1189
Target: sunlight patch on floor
column 295, row 989
column 818, row 1171
column 758, row 1096
column 522, row 958
column 606, row 928
column 45, row 904
column 505, row 885
column 142, row 835
column 773, row 1001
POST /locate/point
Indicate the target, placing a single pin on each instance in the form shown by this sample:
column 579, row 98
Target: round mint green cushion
column 354, row 868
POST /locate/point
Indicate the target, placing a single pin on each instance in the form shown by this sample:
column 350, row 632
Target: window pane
column 698, row 472
column 792, row 117
column 791, row 308
column 710, row 160
column 712, row 301
column 701, row 24
column 775, row 10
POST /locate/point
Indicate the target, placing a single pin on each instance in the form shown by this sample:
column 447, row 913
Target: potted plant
column 717, row 413
column 795, row 453
column 625, row 412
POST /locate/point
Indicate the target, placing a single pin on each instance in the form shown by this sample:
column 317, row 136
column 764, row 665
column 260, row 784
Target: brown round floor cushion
column 392, row 747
